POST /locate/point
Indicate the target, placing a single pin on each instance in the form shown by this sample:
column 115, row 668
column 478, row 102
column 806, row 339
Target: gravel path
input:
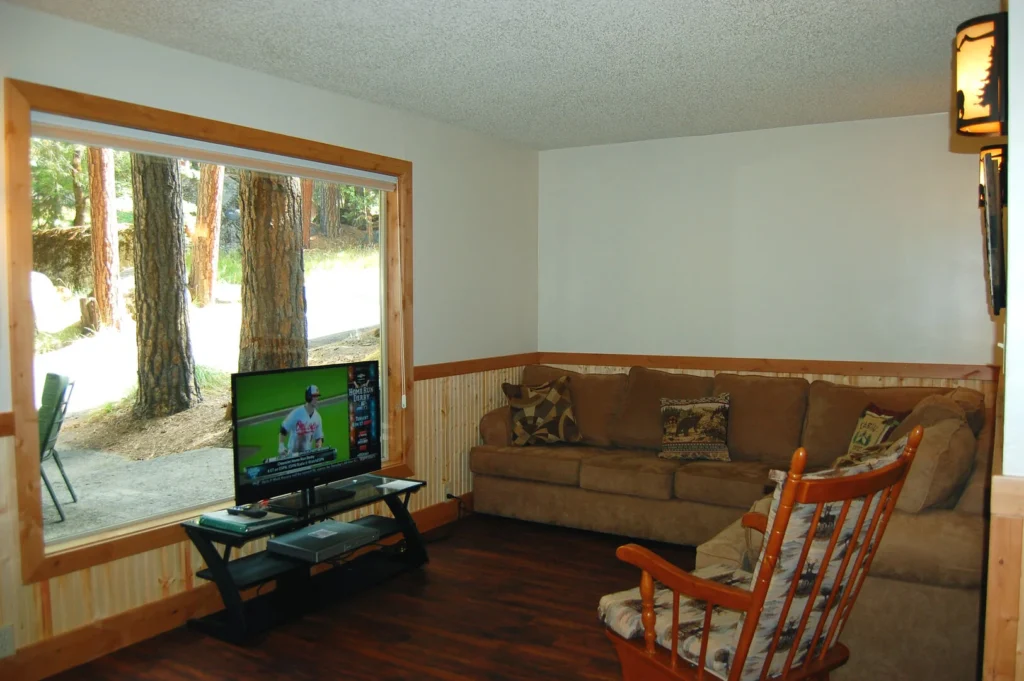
column 113, row 490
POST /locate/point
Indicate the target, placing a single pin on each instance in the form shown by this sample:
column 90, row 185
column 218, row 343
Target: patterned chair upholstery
column 804, row 583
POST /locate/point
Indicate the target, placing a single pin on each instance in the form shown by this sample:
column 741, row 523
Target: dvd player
column 324, row 540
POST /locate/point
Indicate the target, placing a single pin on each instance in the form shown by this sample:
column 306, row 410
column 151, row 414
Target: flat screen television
column 295, row 430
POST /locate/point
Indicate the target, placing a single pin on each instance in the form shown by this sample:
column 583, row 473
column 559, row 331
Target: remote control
column 247, row 511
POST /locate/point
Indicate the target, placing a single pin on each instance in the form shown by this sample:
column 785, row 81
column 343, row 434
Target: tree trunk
column 206, row 237
column 273, row 284
column 76, row 184
column 106, row 259
column 331, row 212
column 167, row 377
column 366, row 217
column 307, row 210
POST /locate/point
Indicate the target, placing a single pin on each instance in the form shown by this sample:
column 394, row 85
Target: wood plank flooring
column 500, row 599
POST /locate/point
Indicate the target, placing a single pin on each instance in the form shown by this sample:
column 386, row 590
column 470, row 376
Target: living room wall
column 850, row 241
column 472, row 195
column 475, row 226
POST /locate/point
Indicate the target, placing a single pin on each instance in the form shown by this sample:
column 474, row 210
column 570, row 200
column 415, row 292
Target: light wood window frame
column 20, row 100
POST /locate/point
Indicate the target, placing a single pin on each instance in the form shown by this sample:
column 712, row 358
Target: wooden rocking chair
column 783, row 620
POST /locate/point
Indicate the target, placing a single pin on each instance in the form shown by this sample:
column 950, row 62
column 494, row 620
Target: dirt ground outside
column 115, row 429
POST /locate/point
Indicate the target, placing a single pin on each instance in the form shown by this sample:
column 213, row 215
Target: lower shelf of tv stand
column 260, row 568
column 295, row 597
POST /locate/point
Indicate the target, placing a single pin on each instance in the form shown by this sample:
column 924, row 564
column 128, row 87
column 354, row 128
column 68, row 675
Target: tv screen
column 295, row 429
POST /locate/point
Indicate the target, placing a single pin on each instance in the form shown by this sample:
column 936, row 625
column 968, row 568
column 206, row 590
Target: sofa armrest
column 496, row 427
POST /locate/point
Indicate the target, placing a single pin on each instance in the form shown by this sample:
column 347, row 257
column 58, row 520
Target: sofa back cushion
column 595, row 398
column 833, row 411
column 638, row 421
column 766, row 415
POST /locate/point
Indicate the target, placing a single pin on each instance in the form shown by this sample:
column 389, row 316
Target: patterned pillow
column 542, row 414
column 875, row 425
column 695, row 428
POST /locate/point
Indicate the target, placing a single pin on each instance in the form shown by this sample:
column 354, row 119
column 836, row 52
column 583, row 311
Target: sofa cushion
column 973, row 404
column 766, row 415
column 638, row 421
column 595, row 398
column 542, row 414
column 942, row 548
column 942, row 466
column 695, row 429
column 555, row 465
column 833, row 411
column 738, row 484
column 975, row 495
column 939, row 547
column 637, row 473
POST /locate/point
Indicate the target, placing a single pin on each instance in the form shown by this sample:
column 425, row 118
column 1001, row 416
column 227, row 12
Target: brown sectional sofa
column 919, row 614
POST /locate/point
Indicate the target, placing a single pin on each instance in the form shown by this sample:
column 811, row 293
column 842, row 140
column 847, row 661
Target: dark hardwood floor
column 499, row 599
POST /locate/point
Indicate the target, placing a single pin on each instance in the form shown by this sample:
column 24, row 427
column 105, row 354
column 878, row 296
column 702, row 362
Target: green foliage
column 212, row 379
column 48, row 342
column 53, row 193
column 229, row 267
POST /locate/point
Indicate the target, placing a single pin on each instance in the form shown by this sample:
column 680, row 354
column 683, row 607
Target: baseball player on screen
column 303, row 428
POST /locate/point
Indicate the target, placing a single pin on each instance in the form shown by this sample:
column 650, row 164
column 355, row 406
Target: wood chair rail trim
column 978, row 372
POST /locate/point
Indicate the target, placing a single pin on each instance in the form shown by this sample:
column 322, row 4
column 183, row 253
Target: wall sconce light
column 980, row 52
column 998, row 154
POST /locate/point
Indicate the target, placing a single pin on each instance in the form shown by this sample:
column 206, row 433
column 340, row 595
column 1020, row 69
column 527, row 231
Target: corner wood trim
column 6, row 423
column 979, row 372
column 78, row 646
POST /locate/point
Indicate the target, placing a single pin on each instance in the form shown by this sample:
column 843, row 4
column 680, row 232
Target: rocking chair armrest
column 683, row 582
column 756, row 521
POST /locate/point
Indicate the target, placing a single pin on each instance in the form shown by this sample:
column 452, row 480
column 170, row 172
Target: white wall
column 1013, row 380
column 474, row 201
column 850, row 241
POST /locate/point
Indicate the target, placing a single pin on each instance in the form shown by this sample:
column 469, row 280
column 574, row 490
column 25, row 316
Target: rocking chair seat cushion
column 620, row 612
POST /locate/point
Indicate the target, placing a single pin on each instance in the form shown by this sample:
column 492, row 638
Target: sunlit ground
column 103, row 366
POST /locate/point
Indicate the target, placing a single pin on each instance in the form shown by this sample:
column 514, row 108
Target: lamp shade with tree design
column 980, row 52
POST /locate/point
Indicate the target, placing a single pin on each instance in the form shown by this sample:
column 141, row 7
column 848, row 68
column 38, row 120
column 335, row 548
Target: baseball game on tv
column 295, row 429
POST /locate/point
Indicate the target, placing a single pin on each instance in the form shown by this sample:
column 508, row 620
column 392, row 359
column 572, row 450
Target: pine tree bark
column 167, row 377
column 331, row 212
column 106, row 260
column 307, row 210
column 273, row 283
column 206, row 237
column 76, row 185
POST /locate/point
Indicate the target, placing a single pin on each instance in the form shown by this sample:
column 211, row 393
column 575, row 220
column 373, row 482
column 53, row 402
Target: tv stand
column 306, row 501
column 299, row 585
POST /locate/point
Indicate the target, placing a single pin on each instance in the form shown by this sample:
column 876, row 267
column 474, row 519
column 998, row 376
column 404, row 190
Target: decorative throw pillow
column 542, row 414
column 695, row 429
column 873, row 427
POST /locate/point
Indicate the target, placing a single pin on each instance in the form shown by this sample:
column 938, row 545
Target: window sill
column 80, row 554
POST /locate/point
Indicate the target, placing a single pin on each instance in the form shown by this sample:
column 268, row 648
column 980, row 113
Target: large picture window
column 154, row 263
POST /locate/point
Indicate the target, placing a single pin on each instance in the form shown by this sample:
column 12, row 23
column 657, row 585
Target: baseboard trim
column 79, row 646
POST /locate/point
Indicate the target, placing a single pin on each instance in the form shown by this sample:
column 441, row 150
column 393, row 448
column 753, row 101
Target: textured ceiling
column 558, row 73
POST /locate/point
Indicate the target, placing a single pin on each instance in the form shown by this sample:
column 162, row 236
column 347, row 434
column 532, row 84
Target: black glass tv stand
column 304, row 502
column 300, row 586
